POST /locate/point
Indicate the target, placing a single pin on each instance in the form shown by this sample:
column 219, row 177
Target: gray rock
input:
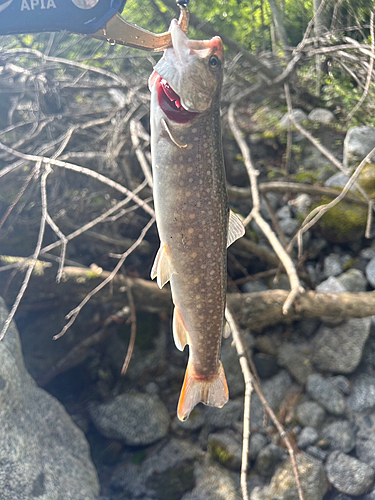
column 317, row 452
column 274, row 390
column 298, row 114
column 257, row 442
column 193, row 423
column 137, row 419
column 310, row 414
column 297, row 360
column 214, row 483
column 221, row 418
column 347, row 474
column 260, row 493
column 332, row 265
column 307, row 326
column 302, row 204
column 342, row 384
column 43, row 453
column 284, row 212
column 167, row 471
column 369, row 496
column 313, row 480
column 326, row 394
column 254, row 286
column 226, row 448
column 353, row 280
column 321, row 115
column 365, row 449
column 337, row 180
column 268, row 458
column 341, row 435
column 367, row 253
column 265, row 364
column 359, row 141
column 232, row 367
column 339, row 348
column 331, row 285
column 289, row 226
column 363, row 393
column 307, row 437
column 370, row 272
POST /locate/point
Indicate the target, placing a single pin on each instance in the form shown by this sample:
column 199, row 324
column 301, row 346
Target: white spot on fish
column 190, row 230
column 194, row 130
column 187, row 194
column 191, row 179
column 189, row 170
column 192, row 216
column 196, row 280
column 194, row 255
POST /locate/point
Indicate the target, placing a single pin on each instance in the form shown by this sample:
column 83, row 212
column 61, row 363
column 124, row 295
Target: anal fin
column 211, row 391
column 180, row 333
column 161, row 267
column 235, row 228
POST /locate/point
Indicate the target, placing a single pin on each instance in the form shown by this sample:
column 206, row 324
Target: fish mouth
column 170, row 103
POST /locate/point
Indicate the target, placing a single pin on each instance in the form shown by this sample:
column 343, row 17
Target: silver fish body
column 192, row 216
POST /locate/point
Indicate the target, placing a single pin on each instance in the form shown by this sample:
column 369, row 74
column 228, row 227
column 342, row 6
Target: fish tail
column 211, row 391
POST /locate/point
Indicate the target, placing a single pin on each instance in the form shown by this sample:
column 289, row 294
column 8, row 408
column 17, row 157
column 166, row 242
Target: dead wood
column 252, row 310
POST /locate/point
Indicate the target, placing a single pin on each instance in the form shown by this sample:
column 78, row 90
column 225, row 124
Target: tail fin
column 211, row 391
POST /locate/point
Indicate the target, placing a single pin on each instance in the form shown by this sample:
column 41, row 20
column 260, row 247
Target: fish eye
column 214, row 63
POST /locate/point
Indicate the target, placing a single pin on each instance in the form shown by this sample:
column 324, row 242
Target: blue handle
column 78, row 16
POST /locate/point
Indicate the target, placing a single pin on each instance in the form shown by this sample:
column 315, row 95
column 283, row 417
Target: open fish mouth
column 170, row 103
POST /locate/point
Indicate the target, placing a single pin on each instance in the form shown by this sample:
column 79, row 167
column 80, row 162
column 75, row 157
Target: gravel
column 370, row 272
column 363, row 393
column 307, row 437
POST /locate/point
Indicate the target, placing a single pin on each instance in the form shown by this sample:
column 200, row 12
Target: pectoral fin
column 212, row 391
column 161, row 268
column 180, row 333
column 235, row 228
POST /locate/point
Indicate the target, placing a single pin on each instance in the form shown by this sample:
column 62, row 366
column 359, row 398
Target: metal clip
column 117, row 30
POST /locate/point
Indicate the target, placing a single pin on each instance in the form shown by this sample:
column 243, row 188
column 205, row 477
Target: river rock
column 214, row 482
column 349, row 475
column 226, row 448
column 332, row 265
column 370, row 272
column 326, row 394
column 338, row 180
column 321, row 115
column 341, row 435
column 311, row 414
column 363, row 393
column 268, row 458
column 313, row 480
column 297, row 360
column 359, row 141
column 307, row 437
column 298, row 114
column 353, row 280
column 43, row 454
column 274, row 390
column 135, row 418
column 339, row 348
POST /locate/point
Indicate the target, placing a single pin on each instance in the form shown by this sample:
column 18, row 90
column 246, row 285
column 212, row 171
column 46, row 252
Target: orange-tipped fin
column 211, row 391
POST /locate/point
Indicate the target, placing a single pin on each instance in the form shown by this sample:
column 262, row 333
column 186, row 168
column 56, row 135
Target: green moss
column 366, row 179
column 345, row 222
column 173, row 483
column 138, row 457
column 219, row 453
column 306, row 177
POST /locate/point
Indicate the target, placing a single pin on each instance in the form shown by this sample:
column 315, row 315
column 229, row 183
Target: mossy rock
column 345, row 222
column 366, row 179
column 173, row 483
column 220, row 454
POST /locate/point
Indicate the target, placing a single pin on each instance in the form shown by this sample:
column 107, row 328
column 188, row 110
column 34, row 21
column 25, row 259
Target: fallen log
column 253, row 311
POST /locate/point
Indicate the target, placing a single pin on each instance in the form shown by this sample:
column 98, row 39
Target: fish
column 194, row 222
